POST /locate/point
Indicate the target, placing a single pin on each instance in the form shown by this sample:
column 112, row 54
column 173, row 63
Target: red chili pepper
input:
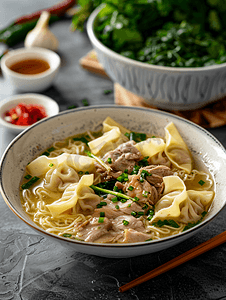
column 58, row 9
column 25, row 115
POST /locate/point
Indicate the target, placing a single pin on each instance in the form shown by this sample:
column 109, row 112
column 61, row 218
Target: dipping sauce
column 30, row 66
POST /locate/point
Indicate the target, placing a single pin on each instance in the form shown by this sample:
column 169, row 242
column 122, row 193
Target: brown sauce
column 30, row 66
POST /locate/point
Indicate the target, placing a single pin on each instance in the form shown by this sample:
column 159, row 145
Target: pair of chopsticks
column 192, row 253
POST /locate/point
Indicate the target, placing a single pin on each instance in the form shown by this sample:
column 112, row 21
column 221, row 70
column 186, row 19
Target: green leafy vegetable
column 28, row 184
column 170, row 33
column 171, row 223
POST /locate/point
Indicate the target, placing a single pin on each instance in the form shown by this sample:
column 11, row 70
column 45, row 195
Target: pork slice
column 134, row 236
column 156, row 176
column 93, row 230
column 125, row 222
column 142, row 190
column 160, row 170
column 123, row 157
column 106, row 175
column 109, row 211
column 110, row 237
column 128, row 207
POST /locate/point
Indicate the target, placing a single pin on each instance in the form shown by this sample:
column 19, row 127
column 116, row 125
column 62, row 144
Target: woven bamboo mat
column 210, row 116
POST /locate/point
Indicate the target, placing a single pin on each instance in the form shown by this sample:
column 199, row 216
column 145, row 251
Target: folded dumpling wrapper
column 174, row 195
column 177, row 150
column 179, row 204
column 107, row 140
column 109, row 124
column 42, row 164
column 70, row 196
column 151, row 146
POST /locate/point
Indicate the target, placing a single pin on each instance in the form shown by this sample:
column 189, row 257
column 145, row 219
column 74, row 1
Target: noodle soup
column 117, row 186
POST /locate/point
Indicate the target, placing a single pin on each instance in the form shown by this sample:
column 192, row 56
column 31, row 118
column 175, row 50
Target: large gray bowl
column 207, row 152
column 164, row 87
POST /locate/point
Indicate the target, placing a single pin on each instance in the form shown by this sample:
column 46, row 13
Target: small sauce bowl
column 51, row 108
column 31, row 82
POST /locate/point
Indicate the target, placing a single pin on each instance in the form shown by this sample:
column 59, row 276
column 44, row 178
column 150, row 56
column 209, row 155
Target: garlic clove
column 41, row 36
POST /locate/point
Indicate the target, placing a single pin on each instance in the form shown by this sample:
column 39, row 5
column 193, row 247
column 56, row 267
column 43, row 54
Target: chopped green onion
column 125, row 222
column 171, row 223
column 115, row 188
column 28, row 176
column 109, row 160
column 201, row 182
column 101, row 220
column 71, row 106
column 143, row 175
column 123, row 177
column 148, row 240
column 80, row 173
column 85, row 102
column 130, row 188
column 135, row 170
column 67, row 235
column 81, row 139
column 51, row 149
column 28, row 184
column 116, row 206
column 102, row 214
column 129, row 205
column 114, row 199
column 145, row 194
column 107, row 92
column 145, row 206
column 123, row 200
column 153, row 137
column 204, row 213
column 46, row 153
column 137, row 137
column 135, row 199
column 143, row 162
column 51, row 165
column 140, row 213
column 133, row 213
column 101, row 204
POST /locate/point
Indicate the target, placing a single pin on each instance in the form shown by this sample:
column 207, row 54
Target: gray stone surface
column 32, row 267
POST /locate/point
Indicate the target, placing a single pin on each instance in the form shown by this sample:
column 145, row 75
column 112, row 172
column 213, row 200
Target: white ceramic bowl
column 30, row 143
column 30, row 83
column 51, row 107
column 164, row 87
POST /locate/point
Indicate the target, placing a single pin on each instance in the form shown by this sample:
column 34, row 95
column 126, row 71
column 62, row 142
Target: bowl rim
column 97, row 43
column 18, row 99
column 33, row 50
column 30, row 223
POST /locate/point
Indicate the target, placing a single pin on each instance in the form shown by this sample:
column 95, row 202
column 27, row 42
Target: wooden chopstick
column 202, row 248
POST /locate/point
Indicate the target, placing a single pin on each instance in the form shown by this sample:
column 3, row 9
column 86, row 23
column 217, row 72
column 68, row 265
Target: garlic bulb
column 41, row 36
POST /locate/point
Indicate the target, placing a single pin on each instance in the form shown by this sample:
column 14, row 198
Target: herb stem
column 117, row 194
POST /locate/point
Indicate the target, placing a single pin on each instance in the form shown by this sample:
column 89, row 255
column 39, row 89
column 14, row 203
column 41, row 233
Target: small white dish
column 51, row 108
column 30, row 83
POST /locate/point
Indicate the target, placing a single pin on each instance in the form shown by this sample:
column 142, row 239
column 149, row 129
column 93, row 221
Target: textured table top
column 32, row 267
